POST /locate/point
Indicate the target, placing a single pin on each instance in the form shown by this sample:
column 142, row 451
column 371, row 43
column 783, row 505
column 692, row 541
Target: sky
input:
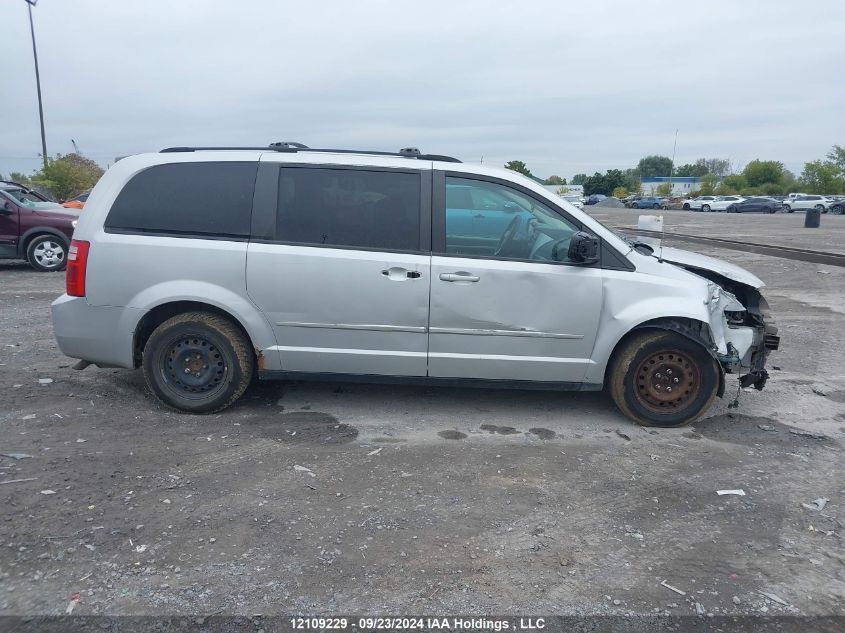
column 565, row 87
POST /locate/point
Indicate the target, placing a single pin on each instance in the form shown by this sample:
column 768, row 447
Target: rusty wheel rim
column 667, row 381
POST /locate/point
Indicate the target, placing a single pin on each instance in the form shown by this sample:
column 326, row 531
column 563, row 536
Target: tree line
column 757, row 178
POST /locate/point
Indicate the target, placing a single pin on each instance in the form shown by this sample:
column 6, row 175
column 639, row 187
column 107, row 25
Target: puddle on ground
column 543, row 434
column 837, row 396
column 452, row 435
column 304, row 427
column 751, row 430
column 501, row 430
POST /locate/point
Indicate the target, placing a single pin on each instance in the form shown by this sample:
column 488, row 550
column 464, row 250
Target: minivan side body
column 354, row 266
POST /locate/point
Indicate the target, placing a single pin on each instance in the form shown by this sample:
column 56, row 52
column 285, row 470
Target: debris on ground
column 17, row 481
column 623, row 435
column 809, row 434
column 303, row 469
column 15, row 455
column 699, row 608
column 48, row 492
column 819, row 391
column 766, row 427
column 738, row 492
column 29, row 416
column 375, row 452
column 45, row 381
column 817, row 504
column 774, row 598
column 74, row 600
column 671, row 588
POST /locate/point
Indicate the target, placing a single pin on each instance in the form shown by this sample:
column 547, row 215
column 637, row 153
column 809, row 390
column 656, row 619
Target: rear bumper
column 102, row 335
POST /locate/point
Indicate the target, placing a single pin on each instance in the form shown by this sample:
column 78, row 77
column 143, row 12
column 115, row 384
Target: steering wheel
column 508, row 235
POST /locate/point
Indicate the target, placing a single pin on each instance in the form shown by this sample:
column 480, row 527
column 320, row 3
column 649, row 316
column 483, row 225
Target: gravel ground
column 326, row 498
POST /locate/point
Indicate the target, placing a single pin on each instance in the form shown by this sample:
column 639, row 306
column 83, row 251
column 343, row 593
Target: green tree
column 759, row 172
column 18, row 177
column 720, row 167
column 837, row 156
column 708, row 185
column 691, row 169
column 563, row 190
column 651, row 166
column 67, row 175
column 518, row 166
column 664, row 189
column 555, row 180
column 578, row 179
column 620, row 192
column 731, row 185
column 604, row 184
column 823, row 177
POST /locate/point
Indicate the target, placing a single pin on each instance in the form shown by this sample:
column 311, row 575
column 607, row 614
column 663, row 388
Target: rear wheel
column 820, row 208
column 47, row 253
column 663, row 379
column 686, row 206
column 705, row 208
column 655, row 206
column 197, row 362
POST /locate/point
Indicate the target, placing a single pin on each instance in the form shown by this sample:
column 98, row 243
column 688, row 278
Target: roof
column 672, row 178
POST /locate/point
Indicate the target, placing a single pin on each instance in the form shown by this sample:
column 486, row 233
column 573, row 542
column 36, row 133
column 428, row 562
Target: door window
column 486, row 219
column 352, row 208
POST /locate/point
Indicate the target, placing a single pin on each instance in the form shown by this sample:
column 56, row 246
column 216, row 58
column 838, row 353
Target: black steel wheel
column 197, row 362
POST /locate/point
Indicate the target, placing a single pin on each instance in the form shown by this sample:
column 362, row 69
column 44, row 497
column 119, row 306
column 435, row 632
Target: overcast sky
column 566, row 87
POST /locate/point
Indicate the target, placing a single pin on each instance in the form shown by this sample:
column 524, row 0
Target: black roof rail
column 294, row 147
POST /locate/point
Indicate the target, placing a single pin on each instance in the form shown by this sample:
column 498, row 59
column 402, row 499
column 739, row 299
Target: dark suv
column 33, row 228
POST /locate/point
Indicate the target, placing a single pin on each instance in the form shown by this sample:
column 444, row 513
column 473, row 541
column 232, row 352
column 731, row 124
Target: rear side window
column 349, row 207
column 204, row 199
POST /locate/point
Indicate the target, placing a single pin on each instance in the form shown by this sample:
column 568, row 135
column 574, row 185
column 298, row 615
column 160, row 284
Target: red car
column 33, row 228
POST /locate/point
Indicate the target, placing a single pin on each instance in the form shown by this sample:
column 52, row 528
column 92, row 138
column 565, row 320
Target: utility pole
column 30, row 4
column 672, row 168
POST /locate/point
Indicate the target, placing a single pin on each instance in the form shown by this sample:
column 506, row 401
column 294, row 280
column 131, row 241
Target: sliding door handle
column 459, row 276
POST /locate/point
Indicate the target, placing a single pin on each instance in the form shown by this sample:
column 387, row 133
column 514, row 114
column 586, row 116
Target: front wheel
column 198, row 362
column 660, row 378
column 787, row 208
column 705, row 208
column 686, row 206
column 47, row 253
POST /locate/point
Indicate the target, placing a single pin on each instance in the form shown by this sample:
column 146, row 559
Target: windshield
column 29, row 200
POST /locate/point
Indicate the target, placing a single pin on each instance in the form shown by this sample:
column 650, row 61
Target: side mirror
column 583, row 248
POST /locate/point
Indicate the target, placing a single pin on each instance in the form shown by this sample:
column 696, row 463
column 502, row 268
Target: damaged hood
column 694, row 261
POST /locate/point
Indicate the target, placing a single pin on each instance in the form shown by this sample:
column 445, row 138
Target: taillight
column 77, row 262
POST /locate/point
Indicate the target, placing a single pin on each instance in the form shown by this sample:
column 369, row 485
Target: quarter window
column 204, row 199
column 486, row 219
column 350, row 208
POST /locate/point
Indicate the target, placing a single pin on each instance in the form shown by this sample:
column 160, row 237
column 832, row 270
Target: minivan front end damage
column 742, row 327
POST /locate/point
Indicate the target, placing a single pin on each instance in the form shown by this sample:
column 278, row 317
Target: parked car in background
column 595, row 199
column 578, row 201
column 722, row 203
column 78, row 202
column 837, row 205
column 758, row 204
column 33, row 228
column 696, row 204
column 649, row 202
column 803, row 203
column 226, row 248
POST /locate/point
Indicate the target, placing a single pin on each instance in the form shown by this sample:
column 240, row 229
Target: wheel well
column 696, row 331
column 158, row 315
column 27, row 240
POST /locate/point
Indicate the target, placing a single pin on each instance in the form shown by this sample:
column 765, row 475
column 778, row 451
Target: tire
column 217, row 352
column 653, row 356
column 838, row 209
column 705, row 208
column 771, row 210
column 47, row 254
column 686, row 206
column 788, row 209
column 820, row 208
column 655, row 206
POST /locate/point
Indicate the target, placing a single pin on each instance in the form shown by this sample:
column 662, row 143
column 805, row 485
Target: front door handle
column 459, row 276
column 400, row 274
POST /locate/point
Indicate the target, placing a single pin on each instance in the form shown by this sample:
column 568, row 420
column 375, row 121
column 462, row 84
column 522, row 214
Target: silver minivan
column 209, row 266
